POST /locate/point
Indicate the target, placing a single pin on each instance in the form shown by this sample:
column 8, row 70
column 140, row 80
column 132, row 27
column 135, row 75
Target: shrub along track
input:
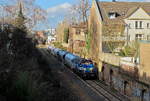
column 56, row 91
column 35, row 81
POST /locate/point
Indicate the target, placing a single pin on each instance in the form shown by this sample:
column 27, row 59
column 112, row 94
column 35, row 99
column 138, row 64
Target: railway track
column 107, row 94
column 117, row 94
column 100, row 89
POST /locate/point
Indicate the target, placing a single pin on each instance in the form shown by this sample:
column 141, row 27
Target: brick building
column 77, row 38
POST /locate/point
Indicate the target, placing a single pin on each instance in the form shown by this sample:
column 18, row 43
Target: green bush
column 24, row 88
column 88, row 40
column 59, row 45
column 130, row 50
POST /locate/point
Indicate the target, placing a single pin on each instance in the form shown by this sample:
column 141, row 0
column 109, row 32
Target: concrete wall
column 145, row 62
column 110, row 58
column 134, row 90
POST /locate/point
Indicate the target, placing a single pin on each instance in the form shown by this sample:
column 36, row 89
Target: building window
column 113, row 15
column 148, row 37
column 78, row 31
column 140, row 24
column 136, row 24
column 148, row 25
column 129, row 25
column 139, row 36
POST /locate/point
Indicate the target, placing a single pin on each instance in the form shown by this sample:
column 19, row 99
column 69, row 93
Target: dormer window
column 113, row 15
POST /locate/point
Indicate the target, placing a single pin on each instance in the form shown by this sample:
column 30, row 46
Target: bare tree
column 82, row 9
column 33, row 13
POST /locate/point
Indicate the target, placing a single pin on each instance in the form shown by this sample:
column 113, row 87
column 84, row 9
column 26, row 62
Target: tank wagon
column 61, row 55
column 55, row 52
column 71, row 60
column 50, row 49
column 83, row 67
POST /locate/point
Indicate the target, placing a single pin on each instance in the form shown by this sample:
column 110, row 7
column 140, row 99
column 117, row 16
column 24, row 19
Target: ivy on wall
column 88, row 40
column 66, row 35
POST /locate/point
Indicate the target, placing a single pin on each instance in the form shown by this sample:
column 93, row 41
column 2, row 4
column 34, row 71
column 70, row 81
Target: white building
column 51, row 31
column 133, row 16
column 51, row 35
column 138, row 24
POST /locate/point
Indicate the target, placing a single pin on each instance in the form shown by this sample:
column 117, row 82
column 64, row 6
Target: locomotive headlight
column 84, row 69
column 91, row 69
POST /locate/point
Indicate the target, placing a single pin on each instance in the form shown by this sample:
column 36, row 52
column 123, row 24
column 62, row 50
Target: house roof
column 123, row 9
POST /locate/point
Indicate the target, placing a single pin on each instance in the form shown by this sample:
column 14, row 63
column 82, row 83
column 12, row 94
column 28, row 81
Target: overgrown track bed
column 102, row 90
column 116, row 93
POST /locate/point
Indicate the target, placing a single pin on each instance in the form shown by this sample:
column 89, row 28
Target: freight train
column 83, row 67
